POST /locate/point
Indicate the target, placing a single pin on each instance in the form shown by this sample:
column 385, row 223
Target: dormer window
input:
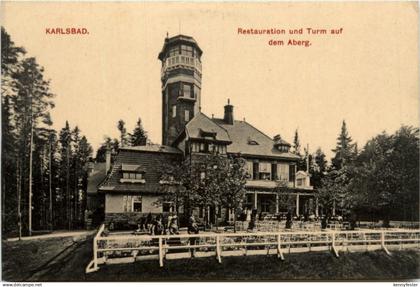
column 132, row 174
column 283, row 148
column 252, row 142
column 280, row 144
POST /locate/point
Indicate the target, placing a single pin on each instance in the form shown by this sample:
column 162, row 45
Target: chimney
column 107, row 159
column 228, row 113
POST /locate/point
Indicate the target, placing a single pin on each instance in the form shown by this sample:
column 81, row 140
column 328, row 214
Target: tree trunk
column 68, row 198
column 234, row 220
column 18, row 187
column 50, row 189
column 30, row 180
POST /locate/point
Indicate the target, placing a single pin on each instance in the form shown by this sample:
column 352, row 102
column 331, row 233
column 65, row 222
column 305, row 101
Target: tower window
column 173, row 111
column 173, row 51
column 186, row 50
column 196, row 92
column 187, row 91
column 187, row 115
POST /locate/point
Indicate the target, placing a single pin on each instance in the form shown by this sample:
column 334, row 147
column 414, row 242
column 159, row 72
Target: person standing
column 149, row 220
column 192, row 229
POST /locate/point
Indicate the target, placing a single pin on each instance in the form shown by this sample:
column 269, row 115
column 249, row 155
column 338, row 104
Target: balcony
column 180, row 61
column 273, row 184
column 266, row 183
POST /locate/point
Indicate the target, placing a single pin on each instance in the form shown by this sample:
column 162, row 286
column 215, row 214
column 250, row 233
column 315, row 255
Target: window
column 195, row 147
column 292, row 173
column 187, row 50
column 136, row 200
column 300, row 182
column 196, row 92
column 283, row 171
column 127, row 203
column 265, row 171
column 265, row 206
column 132, row 175
column 173, row 111
column 187, row 115
column 204, row 147
column 274, row 175
column 249, row 168
column 139, row 175
column 173, row 51
column 211, row 147
column 187, row 91
column 255, row 169
column 167, row 207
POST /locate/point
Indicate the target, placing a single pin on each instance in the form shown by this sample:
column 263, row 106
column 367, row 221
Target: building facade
column 133, row 187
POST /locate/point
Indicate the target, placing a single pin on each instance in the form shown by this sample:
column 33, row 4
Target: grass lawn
column 307, row 266
column 61, row 259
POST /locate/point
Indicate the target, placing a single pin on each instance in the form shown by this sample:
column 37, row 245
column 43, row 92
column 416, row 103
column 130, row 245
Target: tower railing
column 181, row 60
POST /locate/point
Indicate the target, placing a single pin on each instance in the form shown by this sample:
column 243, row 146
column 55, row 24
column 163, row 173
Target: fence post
column 418, row 241
column 383, row 243
column 279, row 253
column 160, row 252
column 95, row 253
column 218, row 249
column 347, row 241
column 333, row 244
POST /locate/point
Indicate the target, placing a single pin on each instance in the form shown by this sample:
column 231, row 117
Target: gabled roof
column 147, row 160
column 202, row 127
column 248, row 140
column 153, row 148
column 96, row 177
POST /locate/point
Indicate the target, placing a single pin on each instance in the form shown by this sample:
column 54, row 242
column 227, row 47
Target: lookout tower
column 181, row 84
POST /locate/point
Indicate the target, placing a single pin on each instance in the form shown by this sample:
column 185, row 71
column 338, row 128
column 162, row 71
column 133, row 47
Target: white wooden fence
column 130, row 248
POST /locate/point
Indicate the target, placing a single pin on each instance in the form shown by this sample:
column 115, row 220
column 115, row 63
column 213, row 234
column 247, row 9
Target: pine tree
column 296, row 144
column 319, row 169
column 123, row 133
column 320, row 160
column 139, row 135
column 65, row 143
column 344, row 151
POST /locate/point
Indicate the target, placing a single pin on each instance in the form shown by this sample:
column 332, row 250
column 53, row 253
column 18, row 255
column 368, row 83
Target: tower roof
column 176, row 40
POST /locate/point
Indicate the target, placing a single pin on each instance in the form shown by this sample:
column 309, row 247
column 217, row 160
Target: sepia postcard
column 209, row 141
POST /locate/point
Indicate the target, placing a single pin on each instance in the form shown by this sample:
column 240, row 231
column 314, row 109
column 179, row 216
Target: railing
column 181, row 60
column 130, row 248
column 277, row 226
column 93, row 265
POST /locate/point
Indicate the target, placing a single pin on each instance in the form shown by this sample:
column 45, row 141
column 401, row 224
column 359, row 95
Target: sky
column 367, row 75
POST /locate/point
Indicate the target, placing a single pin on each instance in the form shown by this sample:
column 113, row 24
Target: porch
column 272, row 203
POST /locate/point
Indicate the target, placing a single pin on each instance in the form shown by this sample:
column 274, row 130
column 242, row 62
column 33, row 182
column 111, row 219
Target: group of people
column 158, row 225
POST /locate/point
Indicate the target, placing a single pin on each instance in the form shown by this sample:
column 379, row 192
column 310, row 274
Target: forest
column 44, row 171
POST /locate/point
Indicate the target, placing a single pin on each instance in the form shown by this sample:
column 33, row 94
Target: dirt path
column 68, row 266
